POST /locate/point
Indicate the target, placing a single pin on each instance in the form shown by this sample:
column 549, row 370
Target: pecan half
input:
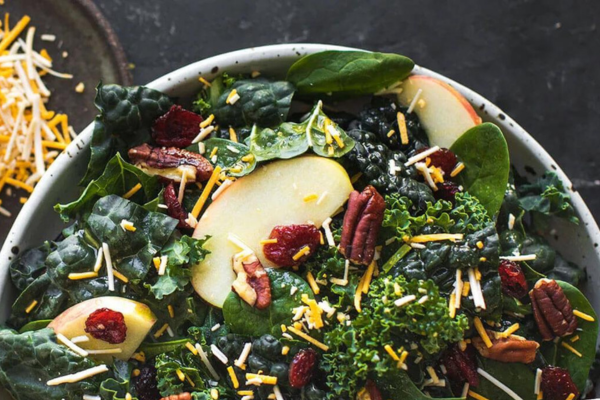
column 510, row 349
column 552, row 310
column 171, row 163
column 252, row 283
column 362, row 223
column 174, row 207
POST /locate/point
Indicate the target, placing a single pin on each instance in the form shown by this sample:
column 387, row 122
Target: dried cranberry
column 302, row 367
column 443, row 158
column 107, row 325
column 557, row 384
column 461, row 366
column 177, row 128
column 374, row 393
column 513, row 279
column 446, row 191
column 290, row 239
column 174, row 207
column 146, row 385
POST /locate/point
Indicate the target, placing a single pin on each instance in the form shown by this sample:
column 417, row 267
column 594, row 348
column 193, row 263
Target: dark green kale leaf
column 181, row 253
column 399, row 219
column 209, row 96
column 356, row 351
column 117, row 387
column 29, row 360
column 547, row 196
column 244, row 319
column 230, row 156
column 29, row 265
column 167, row 365
column 348, row 73
column 262, row 102
column 469, row 214
column 118, row 178
column 291, row 139
column 372, row 160
column 131, row 252
column 484, row 152
column 126, row 114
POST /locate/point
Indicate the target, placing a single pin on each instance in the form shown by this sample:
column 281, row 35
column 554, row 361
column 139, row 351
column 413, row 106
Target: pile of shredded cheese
column 31, row 136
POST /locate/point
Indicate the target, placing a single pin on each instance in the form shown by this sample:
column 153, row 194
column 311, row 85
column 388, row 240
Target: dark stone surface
column 538, row 60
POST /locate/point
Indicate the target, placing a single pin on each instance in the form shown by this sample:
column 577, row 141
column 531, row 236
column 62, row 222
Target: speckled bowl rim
column 261, row 55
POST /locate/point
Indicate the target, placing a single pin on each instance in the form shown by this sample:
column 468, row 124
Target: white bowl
column 38, row 222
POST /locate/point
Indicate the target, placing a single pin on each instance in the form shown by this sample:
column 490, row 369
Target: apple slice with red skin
column 444, row 113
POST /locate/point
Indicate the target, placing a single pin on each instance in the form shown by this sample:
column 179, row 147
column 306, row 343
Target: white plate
column 38, row 222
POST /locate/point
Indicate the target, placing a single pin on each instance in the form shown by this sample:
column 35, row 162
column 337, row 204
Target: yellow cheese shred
column 233, row 376
column 206, row 192
column 308, row 338
column 481, row 330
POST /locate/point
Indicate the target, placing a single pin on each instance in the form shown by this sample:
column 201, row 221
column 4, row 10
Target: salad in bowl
column 351, row 231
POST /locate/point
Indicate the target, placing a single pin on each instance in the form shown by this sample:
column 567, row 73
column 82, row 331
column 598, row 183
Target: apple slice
column 445, row 115
column 139, row 319
column 253, row 205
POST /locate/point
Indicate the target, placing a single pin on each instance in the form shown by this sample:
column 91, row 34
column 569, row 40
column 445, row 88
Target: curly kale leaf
column 118, row 178
column 29, row 265
column 357, row 351
column 181, row 254
column 291, row 139
column 131, row 252
column 469, row 214
column 372, row 159
column 399, row 217
column 167, row 367
column 261, row 102
column 244, row 319
column 117, row 388
column 547, row 196
column 29, row 360
column 126, row 114
column 209, row 95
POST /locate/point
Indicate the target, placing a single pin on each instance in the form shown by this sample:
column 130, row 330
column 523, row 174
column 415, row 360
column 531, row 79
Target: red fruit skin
column 513, row 279
column 373, row 391
column 107, row 325
column 290, row 239
column 557, row 384
column 174, row 207
column 177, row 128
column 461, row 366
column 302, row 367
column 446, row 191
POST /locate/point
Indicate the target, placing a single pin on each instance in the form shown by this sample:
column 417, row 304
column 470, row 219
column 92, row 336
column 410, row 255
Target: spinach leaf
column 261, row 102
column 29, row 265
column 181, row 253
column 291, row 139
column 484, row 152
column 126, row 113
column 579, row 367
column 35, row 325
column 235, row 158
column 397, row 385
column 151, row 350
column 30, row 359
column 517, row 376
column 118, row 178
column 244, row 319
column 131, row 252
column 348, row 72
column 546, row 197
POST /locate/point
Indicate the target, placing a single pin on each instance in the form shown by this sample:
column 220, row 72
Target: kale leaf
column 291, row 139
column 181, row 253
column 356, row 351
column 118, row 178
column 261, row 102
column 244, row 319
column 131, row 252
column 29, row 360
column 167, row 367
column 547, row 196
column 29, row 265
column 348, row 73
column 126, row 114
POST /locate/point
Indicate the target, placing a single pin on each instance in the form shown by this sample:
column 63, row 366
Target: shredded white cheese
column 226, row 184
column 162, row 268
column 72, row 378
column 538, row 381
column 63, row 339
column 411, row 107
column 243, row 356
column 511, row 221
column 219, row 354
column 80, row 339
column 499, row 384
column 328, row 233
column 277, row 392
column 421, row 156
column 116, row 350
column 206, row 362
column 204, row 132
column 405, row 300
column 109, row 267
column 523, row 257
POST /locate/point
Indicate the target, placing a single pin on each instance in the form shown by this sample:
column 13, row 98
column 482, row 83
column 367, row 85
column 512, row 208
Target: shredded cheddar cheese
column 481, row 330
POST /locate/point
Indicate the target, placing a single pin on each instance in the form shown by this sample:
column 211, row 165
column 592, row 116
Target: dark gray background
column 538, row 60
